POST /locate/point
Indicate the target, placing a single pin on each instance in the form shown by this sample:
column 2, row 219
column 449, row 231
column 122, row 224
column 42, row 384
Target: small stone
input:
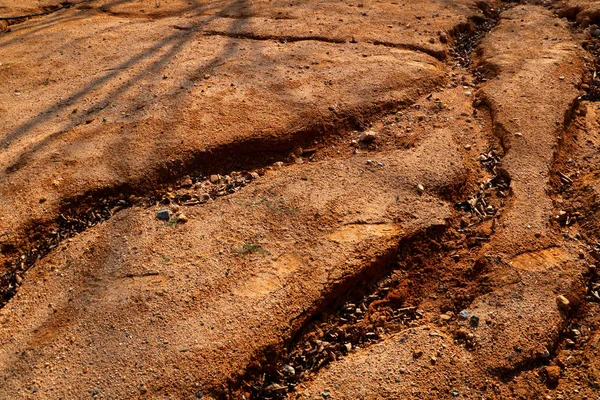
column 348, row 346
column 445, row 317
column 204, row 197
column 367, row 137
column 182, row 218
column 273, row 388
column 464, row 314
column 325, row 394
column 468, row 94
column 254, row 175
column 518, row 134
column 474, row 321
column 443, row 37
column 163, row 215
column 288, row 370
column 433, row 359
column 432, row 40
column 187, row 182
column 420, row 188
column 467, row 147
column 455, row 393
column 214, row 178
column 563, row 303
column 552, row 373
column 596, row 33
column 417, row 354
column 18, row 279
column 199, row 394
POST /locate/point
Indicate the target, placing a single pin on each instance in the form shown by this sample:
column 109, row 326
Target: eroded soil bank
column 269, row 200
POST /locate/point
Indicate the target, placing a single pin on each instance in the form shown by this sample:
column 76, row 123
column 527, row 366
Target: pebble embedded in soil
column 552, row 373
column 368, row 137
column 204, row 197
column 563, row 303
column 288, row 370
column 163, row 215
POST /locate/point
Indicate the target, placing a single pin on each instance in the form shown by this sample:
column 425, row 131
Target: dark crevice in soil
column 440, row 55
column 278, row 38
column 467, row 36
column 22, row 18
column 353, row 314
column 591, row 43
column 591, row 86
column 79, row 213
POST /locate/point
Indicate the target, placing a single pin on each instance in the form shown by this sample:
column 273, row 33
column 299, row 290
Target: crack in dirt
column 278, row 38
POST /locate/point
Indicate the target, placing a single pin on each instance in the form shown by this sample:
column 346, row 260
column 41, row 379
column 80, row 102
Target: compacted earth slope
column 306, row 199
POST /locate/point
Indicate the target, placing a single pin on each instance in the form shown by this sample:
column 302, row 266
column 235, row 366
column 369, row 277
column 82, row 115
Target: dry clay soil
column 299, row 199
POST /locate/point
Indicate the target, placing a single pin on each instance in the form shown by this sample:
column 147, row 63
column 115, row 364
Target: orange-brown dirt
column 301, row 200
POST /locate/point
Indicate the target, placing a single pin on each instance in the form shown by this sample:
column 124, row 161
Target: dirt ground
column 299, row 200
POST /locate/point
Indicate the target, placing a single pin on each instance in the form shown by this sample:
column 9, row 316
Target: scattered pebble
column 204, row 197
column 163, row 215
column 214, row 178
column 367, row 137
column 563, row 303
column 552, row 373
column 288, row 370
column 187, row 182
column 420, row 188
